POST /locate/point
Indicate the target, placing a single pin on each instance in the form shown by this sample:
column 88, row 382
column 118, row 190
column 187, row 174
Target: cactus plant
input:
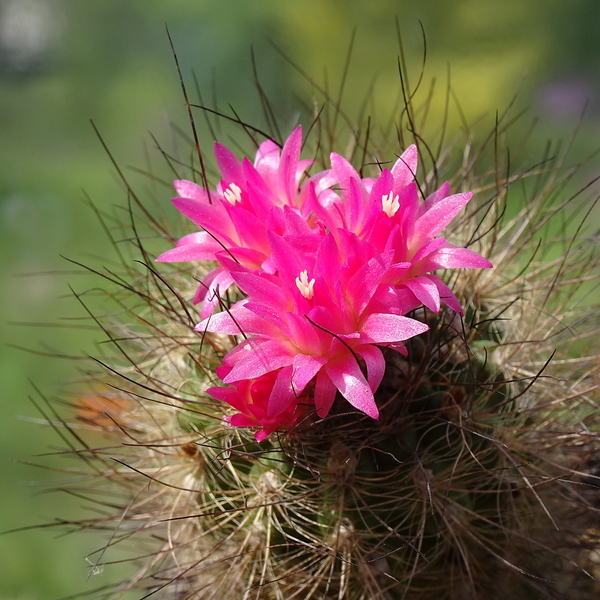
column 479, row 477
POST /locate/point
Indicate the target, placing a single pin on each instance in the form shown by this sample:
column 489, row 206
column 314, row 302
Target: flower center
column 390, row 203
column 233, row 194
column 306, row 287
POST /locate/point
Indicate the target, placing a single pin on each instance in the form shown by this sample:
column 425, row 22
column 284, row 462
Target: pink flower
column 386, row 212
column 316, row 318
column 250, row 397
column 236, row 216
column 329, row 276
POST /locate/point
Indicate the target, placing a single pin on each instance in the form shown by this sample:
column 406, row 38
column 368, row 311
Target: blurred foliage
column 63, row 62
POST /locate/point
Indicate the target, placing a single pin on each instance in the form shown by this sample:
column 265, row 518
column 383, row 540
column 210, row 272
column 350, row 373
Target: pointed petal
column 305, row 367
column 425, row 290
column 405, row 300
column 432, row 199
column 327, row 264
column 382, row 328
column 235, row 321
column 349, row 380
column 264, row 288
column 364, row 283
column 248, row 257
column 271, row 315
column 407, row 214
column 282, row 394
column 447, row 296
column 375, row 362
column 405, row 168
column 355, row 201
column 449, row 256
column 325, row 392
column 295, row 225
column 212, row 217
column 343, row 170
column 189, row 189
column 261, row 194
column 195, row 246
column 241, row 420
column 327, row 209
column 261, row 434
column 427, row 249
column 255, row 357
column 267, row 158
column 211, row 290
column 251, row 230
column 302, row 333
column 288, row 167
column 230, row 166
column 276, row 221
column 398, row 272
column 439, row 216
column 199, row 237
column 288, row 262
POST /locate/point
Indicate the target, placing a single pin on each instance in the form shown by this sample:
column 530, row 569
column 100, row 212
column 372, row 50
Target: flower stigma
column 233, row 194
column 306, row 287
column 390, row 203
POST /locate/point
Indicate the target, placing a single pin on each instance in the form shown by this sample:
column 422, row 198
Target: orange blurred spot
column 103, row 411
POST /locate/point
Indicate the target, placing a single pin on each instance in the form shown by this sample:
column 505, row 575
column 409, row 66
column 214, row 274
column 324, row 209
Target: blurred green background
column 63, row 62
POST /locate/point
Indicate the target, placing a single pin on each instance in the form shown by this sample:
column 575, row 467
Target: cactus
column 479, row 478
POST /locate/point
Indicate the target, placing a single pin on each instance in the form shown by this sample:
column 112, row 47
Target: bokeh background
column 63, row 62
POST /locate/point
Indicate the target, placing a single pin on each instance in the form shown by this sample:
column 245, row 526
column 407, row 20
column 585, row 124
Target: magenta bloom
column 316, row 318
column 250, row 397
column 236, row 216
column 329, row 269
column 386, row 212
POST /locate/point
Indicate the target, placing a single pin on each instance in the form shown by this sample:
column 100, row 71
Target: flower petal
column 364, row 283
column 229, row 165
column 438, row 217
column 201, row 246
column 375, row 362
column 405, row 168
column 432, row 199
column 425, row 290
column 212, row 217
column 382, row 328
column 264, row 288
column 237, row 320
column 349, row 380
column 447, row 296
column 255, row 357
column 325, row 392
column 282, row 394
column 305, row 367
column 189, row 189
column 211, row 290
column 449, row 256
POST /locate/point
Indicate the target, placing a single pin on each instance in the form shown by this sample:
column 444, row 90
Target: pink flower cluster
column 329, row 267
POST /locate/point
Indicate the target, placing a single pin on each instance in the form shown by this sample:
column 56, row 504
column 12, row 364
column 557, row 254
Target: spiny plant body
column 471, row 470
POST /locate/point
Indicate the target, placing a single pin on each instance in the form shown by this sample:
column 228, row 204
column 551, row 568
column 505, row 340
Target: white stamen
column 390, row 203
column 233, row 194
column 306, row 287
